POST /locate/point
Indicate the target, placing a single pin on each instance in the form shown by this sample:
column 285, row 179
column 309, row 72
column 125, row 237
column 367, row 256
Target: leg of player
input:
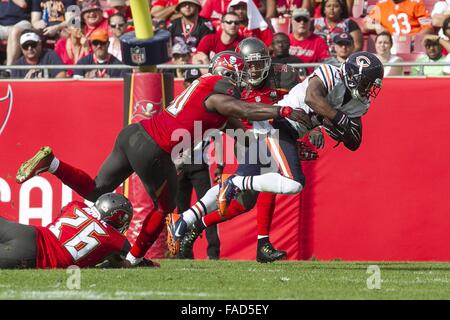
column 179, row 224
column 115, row 169
column 160, row 181
column 17, row 245
column 265, row 252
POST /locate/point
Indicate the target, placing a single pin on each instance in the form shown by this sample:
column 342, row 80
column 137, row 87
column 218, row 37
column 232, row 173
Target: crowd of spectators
column 88, row 32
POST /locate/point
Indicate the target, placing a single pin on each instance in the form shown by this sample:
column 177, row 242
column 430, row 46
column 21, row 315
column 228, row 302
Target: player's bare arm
column 316, row 99
column 234, row 108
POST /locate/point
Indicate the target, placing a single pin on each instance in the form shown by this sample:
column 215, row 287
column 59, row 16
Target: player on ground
column 145, row 147
column 80, row 235
column 335, row 98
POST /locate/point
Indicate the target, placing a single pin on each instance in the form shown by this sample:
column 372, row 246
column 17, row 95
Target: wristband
column 285, row 112
column 340, row 119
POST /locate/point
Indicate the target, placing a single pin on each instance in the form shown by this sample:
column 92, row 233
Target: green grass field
column 178, row 279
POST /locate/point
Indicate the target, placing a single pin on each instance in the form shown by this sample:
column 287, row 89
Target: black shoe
column 187, row 242
column 148, row 263
column 267, row 253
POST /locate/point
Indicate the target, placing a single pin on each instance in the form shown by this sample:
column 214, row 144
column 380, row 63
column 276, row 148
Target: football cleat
column 187, row 243
column 227, row 192
column 39, row 163
column 176, row 229
column 147, row 263
column 267, row 253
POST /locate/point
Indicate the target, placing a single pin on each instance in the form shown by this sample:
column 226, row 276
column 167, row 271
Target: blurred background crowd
column 56, row 32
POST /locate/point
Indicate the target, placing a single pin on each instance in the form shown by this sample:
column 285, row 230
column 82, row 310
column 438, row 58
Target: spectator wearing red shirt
column 226, row 39
column 252, row 22
column 92, row 16
column 73, row 47
column 119, row 6
column 306, row 45
column 164, row 10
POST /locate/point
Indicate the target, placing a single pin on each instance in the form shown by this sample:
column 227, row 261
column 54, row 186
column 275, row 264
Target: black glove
column 316, row 138
column 305, row 153
column 341, row 122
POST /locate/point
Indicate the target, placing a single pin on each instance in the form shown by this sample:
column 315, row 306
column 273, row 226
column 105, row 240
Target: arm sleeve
column 422, row 14
column 224, row 86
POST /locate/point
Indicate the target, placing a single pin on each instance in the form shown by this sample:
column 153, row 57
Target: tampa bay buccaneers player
column 145, row 147
column 267, row 83
column 80, row 235
column 335, row 98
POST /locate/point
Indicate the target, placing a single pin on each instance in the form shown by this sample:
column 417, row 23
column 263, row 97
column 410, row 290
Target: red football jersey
column 280, row 80
column 77, row 237
column 188, row 112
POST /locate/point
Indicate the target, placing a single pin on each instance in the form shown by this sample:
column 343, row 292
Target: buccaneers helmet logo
column 5, row 108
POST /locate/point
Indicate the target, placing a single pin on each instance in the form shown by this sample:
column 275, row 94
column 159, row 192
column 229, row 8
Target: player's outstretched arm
column 234, row 108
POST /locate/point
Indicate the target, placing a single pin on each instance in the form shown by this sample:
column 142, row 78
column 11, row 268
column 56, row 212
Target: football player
column 80, row 235
column 335, row 98
column 267, row 83
column 145, row 147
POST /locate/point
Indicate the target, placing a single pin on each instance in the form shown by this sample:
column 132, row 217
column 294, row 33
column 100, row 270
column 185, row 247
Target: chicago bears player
column 80, row 235
column 145, row 147
column 266, row 83
column 335, row 98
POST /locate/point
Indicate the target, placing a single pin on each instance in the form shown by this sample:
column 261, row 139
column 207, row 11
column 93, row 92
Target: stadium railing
column 421, row 66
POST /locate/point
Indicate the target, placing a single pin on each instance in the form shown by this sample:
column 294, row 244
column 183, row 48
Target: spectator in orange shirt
column 399, row 17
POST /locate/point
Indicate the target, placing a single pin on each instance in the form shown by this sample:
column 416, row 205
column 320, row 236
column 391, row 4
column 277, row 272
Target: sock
column 194, row 213
column 133, row 260
column 151, row 228
column 269, row 182
column 54, row 165
column 263, row 241
column 265, row 210
column 234, row 209
column 205, row 205
column 76, row 179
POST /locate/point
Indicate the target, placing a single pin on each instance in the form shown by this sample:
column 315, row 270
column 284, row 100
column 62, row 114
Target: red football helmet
column 228, row 64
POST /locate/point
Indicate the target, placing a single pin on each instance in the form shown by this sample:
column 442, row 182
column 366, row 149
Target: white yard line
column 93, row 295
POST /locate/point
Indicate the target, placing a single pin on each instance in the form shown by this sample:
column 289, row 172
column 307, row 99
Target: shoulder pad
column 224, row 86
